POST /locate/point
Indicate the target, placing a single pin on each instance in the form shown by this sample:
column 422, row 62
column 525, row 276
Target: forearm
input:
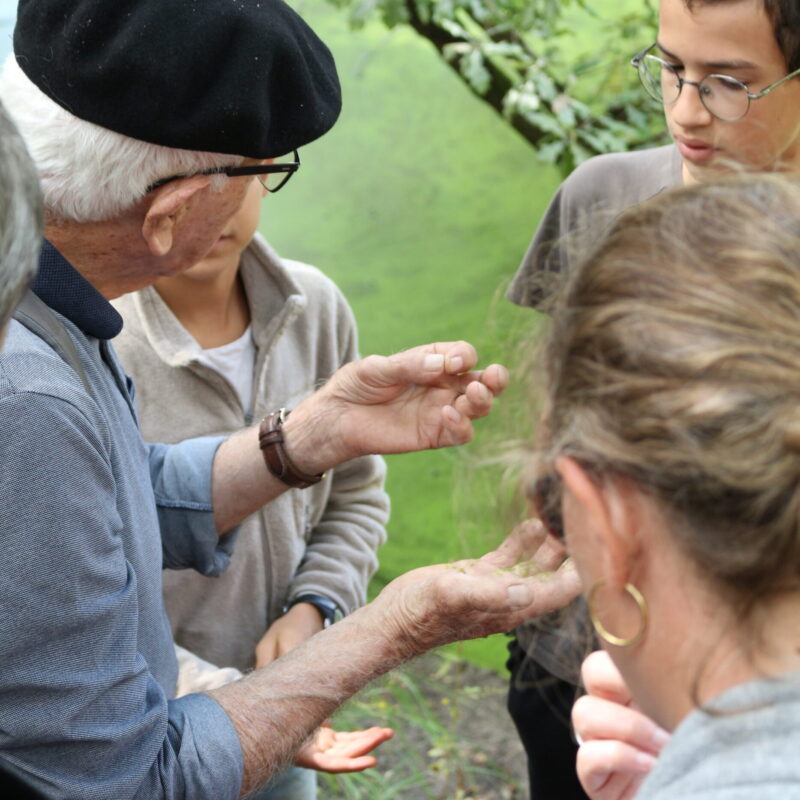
column 241, row 482
column 419, row 399
column 277, row 707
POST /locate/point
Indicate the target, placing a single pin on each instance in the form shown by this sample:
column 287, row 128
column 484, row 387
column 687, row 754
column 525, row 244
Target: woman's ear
column 612, row 515
column 167, row 206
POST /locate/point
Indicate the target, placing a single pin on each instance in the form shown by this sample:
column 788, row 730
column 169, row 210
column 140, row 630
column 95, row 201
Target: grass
column 419, row 204
column 442, row 748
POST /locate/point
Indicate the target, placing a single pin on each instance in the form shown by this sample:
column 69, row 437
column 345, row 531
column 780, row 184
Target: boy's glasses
column 725, row 97
column 546, row 495
column 272, row 176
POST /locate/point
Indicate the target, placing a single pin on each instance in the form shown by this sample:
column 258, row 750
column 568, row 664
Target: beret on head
column 246, row 77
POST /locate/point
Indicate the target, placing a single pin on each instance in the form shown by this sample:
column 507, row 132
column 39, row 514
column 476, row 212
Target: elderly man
column 147, row 120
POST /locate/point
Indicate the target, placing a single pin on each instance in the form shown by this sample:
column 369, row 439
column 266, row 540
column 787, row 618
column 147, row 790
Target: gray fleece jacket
column 747, row 749
column 322, row 539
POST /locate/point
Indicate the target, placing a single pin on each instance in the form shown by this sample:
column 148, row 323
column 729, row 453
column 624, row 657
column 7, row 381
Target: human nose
column 688, row 110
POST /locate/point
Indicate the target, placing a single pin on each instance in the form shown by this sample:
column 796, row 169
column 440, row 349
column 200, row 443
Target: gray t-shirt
column 584, row 205
column 745, row 748
column 591, row 197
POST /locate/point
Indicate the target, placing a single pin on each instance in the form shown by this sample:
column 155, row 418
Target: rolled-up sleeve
column 181, row 478
column 81, row 713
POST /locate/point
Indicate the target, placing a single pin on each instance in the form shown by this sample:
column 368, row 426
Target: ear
column 614, row 511
column 168, row 205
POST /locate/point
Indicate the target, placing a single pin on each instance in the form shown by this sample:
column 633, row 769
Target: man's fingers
column 475, row 402
column 522, row 544
column 495, row 377
column 424, row 365
column 554, row 590
column 596, row 718
column 551, row 554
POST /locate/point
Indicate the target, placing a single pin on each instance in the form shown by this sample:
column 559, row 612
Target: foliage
column 511, row 54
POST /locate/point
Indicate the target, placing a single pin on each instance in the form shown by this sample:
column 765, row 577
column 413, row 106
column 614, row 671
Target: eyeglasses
column 272, row 176
column 546, row 495
column 725, row 97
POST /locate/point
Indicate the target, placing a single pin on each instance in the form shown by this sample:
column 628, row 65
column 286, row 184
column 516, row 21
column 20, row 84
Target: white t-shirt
column 236, row 363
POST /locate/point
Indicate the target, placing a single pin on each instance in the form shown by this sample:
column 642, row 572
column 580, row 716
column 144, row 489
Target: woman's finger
column 612, row 770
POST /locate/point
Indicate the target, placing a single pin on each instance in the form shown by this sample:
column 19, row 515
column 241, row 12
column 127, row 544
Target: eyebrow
column 712, row 64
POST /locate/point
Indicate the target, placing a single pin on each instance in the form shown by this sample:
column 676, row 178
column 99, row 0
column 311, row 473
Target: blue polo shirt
column 89, row 516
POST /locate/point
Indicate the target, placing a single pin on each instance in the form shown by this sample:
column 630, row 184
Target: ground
column 454, row 739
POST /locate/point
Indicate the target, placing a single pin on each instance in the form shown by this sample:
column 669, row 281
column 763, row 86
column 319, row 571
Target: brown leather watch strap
column 270, row 440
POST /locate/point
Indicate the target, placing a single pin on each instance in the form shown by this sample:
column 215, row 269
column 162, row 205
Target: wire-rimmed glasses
column 724, row 96
column 272, row 176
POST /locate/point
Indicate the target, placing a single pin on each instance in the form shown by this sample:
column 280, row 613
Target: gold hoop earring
column 602, row 632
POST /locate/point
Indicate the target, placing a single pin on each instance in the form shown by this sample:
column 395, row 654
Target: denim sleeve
column 181, row 477
column 81, row 715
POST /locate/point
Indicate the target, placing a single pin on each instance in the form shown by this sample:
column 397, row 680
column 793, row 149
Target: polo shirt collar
column 66, row 291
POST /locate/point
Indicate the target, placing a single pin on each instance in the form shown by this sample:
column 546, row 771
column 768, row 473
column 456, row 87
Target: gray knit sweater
column 322, row 539
column 748, row 748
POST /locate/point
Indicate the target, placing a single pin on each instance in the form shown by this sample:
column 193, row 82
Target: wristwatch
column 327, row 608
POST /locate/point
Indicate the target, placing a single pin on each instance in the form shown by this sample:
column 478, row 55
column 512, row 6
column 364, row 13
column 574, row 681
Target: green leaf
column 475, row 72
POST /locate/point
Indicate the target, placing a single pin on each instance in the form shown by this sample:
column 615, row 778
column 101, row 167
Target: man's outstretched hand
column 432, row 606
column 419, row 399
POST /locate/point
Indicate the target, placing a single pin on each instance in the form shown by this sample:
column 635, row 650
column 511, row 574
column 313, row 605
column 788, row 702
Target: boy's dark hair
column 785, row 16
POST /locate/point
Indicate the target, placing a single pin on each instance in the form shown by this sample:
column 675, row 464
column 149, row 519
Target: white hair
column 89, row 173
column 20, row 218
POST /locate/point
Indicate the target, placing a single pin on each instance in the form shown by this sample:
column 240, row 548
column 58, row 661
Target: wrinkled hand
column 619, row 743
column 431, row 606
column 341, row 751
column 299, row 623
column 419, row 399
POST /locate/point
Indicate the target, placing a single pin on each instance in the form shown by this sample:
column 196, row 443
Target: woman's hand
column 619, row 744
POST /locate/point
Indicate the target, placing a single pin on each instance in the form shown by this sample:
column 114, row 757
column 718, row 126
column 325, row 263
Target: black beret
column 246, row 77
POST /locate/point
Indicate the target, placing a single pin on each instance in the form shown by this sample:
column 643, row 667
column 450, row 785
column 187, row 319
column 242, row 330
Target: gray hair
column 89, row 173
column 20, row 218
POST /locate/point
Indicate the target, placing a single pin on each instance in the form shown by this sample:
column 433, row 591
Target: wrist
column 311, row 437
column 327, row 611
column 272, row 441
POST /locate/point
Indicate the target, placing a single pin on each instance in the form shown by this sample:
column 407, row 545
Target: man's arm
column 419, row 399
column 82, row 714
column 275, row 708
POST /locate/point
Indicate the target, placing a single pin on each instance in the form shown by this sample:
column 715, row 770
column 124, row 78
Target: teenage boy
column 726, row 72
column 241, row 333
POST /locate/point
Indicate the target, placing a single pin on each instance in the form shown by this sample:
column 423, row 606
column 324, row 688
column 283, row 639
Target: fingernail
column 660, row 738
column 519, row 595
column 456, row 364
column 644, row 761
column 434, row 362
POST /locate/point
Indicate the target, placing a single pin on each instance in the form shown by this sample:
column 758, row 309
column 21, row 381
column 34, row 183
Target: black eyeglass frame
column 639, row 58
column 288, row 167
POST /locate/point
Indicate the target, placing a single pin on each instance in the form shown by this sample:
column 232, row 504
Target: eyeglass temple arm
column 774, row 85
